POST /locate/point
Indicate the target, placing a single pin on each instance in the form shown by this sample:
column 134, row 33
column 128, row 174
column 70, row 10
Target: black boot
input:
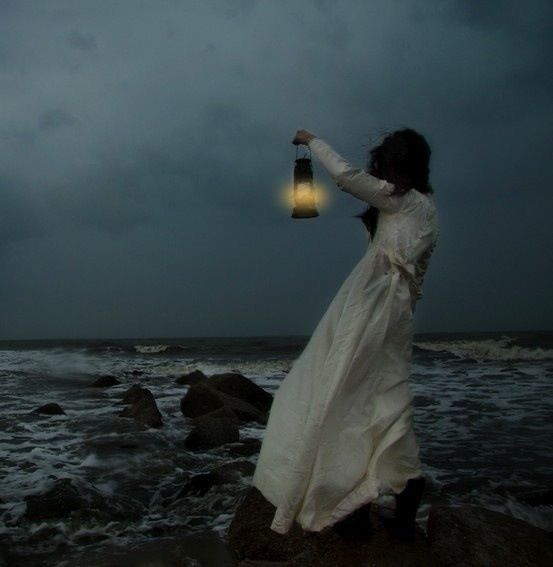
column 402, row 525
column 356, row 525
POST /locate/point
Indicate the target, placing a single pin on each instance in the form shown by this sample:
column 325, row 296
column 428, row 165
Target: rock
column 191, row 378
column 227, row 473
column 529, row 496
column 223, row 411
column 243, row 388
column 50, row 409
column 185, row 551
column 251, row 538
column 58, row 502
column 105, row 382
column 201, row 399
column 143, row 409
column 246, row 447
column 133, row 394
column 472, row 536
column 212, row 432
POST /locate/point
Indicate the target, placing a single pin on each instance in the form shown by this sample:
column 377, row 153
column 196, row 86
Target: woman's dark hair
column 402, row 158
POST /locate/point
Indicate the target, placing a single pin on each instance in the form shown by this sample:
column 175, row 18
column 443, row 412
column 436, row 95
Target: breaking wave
column 504, row 348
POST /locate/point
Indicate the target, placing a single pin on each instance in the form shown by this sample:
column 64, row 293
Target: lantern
column 304, row 191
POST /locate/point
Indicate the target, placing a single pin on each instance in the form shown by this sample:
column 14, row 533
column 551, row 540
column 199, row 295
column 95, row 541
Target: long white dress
column 340, row 430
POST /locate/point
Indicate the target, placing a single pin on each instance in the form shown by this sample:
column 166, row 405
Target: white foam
column 487, row 349
column 150, row 349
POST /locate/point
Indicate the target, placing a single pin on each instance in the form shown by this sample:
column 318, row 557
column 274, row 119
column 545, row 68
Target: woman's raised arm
column 377, row 192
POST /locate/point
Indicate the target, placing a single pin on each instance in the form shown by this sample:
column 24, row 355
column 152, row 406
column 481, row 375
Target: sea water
column 483, row 419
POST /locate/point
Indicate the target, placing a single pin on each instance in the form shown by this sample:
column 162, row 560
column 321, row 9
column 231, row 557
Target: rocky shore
column 215, row 408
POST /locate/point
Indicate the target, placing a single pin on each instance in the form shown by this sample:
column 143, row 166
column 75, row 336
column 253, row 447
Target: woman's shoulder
column 414, row 199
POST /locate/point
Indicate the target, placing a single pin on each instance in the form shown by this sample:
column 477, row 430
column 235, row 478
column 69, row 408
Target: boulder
column 251, row 538
column 246, row 447
column 133, row 394
column 105, row 381
column 144, row 409
column 199, row 400
column 58, row 502
column 191, row 378
column 188, row 550
column 472, row 536
column 50, row 409
column 212, row 432
column 227, row 473
column 223, row 411
column 243, row 388
column 202, row 398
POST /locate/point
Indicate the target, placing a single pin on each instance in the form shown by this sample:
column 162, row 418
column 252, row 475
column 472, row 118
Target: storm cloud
column 145, row 147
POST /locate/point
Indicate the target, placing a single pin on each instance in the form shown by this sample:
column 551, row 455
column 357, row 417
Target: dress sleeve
column 357, row 182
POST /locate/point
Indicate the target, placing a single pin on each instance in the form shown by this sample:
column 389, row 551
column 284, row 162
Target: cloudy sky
column 145, row 145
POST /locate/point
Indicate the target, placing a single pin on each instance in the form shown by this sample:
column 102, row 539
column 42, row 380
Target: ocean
column 483, row 419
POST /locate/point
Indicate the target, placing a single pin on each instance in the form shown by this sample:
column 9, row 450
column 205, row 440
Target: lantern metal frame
column 303, row 174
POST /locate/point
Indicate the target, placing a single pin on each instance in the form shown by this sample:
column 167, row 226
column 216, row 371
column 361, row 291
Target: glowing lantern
column 304, row 191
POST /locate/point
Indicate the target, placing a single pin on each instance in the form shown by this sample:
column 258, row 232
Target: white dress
column 340, row 431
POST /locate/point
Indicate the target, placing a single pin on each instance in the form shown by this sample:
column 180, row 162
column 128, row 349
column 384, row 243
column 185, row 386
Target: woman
column 340, row 431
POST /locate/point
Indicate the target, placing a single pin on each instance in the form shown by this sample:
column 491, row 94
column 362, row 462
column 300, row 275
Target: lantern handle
column 298, row 147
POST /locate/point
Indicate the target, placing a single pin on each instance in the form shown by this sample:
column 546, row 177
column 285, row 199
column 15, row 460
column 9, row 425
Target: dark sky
column 145, row 145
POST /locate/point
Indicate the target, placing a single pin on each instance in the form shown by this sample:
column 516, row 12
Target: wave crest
column 487, row 349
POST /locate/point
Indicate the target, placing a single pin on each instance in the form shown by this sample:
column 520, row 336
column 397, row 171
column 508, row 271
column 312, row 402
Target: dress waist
column 406, row 269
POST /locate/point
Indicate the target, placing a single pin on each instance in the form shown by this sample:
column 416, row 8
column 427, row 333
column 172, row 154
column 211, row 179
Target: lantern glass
column 304, row 191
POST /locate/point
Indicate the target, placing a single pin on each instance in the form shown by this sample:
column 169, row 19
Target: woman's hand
column 303, row 137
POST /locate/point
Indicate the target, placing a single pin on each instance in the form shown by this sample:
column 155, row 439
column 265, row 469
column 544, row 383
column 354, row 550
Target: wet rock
column 191, row 378
column 133, row 394
column 58, row 502
column 50, row 409
column 186, row 551
column 105, row 382
column 470, row 536
column 143, row 409
column 529, row 496
column 227, row 473
column 223, row 412
column 247, row 446
column 202, row 398
column 199, row 400
column 238, row 386
column 211, row 432
column 251, row 538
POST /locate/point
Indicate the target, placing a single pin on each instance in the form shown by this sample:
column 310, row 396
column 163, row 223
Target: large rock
column 222, row 412
column 211, row 432
column 144, row 409
column 186, row 551
column 250, row 536
column 133, row 394
column 201, row 399
column 226, row 473
column 247, row 446
column 58, row 502
column 50, row 409
column 105, row 381
column 470, row 536
column 239, row 386
column 191, row 378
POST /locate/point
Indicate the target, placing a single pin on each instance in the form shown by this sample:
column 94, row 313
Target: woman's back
column 408, row 235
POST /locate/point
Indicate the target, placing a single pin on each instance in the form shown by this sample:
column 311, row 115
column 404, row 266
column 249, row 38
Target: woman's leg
column 402, row 525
